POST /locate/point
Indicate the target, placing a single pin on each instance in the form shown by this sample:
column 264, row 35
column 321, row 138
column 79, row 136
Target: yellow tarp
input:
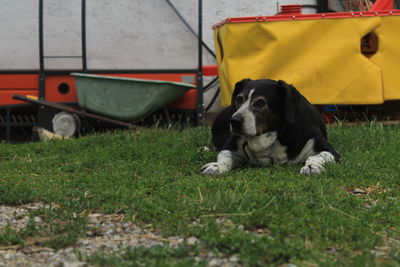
column 388, row 56
column 321, row 58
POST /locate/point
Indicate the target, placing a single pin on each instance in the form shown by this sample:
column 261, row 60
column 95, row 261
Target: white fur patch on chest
column 262, row 142
column 265, row 149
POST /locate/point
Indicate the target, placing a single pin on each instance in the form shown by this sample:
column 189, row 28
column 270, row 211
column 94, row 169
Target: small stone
column 73, row 264
column 109, row 232
column 331, row 250
column 69, row 251
column 358, row 191
column 7, row 256
column 204, row 148
column 214, row 262
column 89, row 233
column 52, row 258
column 26, row 250
column 179, row 240
column 85, row 242
column 57, row 264
column 92, row 220
column 192, row 240
column 210, row 254
column 233, row 258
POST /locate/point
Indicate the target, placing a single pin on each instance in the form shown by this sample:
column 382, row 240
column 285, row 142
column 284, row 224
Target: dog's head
column 262, row 106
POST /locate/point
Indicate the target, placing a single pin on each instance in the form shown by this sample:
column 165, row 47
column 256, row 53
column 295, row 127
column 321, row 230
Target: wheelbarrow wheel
column 66, row 124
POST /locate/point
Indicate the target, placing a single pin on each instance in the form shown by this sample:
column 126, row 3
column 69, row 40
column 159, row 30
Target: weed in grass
column 12, row 237
column 154, row 256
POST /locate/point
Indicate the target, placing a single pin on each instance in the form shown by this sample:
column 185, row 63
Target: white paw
column 312, row 168
column 213, row 168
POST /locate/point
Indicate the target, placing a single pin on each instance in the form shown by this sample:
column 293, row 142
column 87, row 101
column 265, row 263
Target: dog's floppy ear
column 238, row 88
column 290, row 97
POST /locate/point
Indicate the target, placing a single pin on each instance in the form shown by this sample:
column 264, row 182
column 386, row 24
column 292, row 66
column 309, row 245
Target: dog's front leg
column 226, row 161
column 315, row 164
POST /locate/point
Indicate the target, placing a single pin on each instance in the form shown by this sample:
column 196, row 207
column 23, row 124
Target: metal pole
column 322, row 6
column 189, row 27
column 200, row 104
column 83, row 33
column 41, row 54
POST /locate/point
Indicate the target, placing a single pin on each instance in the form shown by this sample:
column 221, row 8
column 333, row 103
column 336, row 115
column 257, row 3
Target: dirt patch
column 104, row 233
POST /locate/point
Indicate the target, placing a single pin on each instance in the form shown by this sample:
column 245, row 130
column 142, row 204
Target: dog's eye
column 239, row 100
column 259, row 103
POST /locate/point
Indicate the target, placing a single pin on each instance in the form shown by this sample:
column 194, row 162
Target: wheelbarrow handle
column 74, row 110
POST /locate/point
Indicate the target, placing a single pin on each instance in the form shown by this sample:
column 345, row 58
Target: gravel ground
column 105, row 233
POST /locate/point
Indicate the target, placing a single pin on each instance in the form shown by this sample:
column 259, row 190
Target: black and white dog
column 269, row 121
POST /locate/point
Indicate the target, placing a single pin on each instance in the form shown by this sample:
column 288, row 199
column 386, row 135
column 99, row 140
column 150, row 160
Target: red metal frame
column 339, row 15
column 210, row 70
column 292, row 12
column 25, row 84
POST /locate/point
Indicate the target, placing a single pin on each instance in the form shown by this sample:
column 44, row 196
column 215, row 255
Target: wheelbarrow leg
column 167, row 116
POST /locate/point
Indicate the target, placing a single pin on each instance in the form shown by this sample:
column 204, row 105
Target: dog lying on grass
column 269, row 122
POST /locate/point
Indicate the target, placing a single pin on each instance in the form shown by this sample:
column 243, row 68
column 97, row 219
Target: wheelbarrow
column 125, row 99
column 116, row 100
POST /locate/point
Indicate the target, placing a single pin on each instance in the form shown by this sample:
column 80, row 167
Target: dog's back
column 220, row 128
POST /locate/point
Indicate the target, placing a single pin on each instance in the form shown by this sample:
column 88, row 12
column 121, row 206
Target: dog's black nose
column 236, row 124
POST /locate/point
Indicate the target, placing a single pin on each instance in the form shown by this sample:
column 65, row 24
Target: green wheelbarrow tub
column 125, row 99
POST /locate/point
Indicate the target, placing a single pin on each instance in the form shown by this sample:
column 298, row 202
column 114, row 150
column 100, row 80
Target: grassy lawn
column 261, row 215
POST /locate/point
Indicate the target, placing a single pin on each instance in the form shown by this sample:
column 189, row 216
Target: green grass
column 272, row 215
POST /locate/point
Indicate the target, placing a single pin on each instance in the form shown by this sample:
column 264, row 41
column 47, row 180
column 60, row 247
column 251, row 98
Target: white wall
column 18, row 35
column 121, row 34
